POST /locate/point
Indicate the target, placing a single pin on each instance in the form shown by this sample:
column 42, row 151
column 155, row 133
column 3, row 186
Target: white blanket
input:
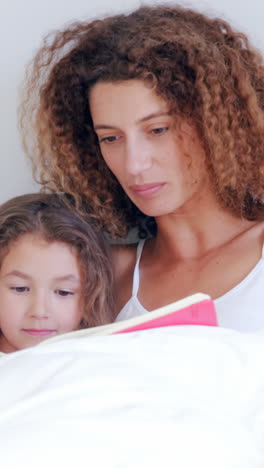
column 180, row 397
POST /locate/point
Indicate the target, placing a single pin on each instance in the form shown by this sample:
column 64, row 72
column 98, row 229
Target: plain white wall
column 25, row 22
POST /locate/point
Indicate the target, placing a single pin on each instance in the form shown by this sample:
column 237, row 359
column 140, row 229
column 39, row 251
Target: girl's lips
column 38, row 332
column 147, row 190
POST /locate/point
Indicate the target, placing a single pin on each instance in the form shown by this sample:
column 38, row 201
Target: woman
column 159, row 113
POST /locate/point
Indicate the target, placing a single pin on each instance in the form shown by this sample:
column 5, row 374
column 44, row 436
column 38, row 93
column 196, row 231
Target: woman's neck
column 196, row 229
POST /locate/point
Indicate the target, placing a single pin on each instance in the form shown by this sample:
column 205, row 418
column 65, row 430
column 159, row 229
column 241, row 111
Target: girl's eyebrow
column 67, row 278
column 143, row 119
column 22, row 275
column 18, row 273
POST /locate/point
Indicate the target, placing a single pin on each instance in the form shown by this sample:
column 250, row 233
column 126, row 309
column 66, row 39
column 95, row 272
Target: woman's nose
column 138, row 157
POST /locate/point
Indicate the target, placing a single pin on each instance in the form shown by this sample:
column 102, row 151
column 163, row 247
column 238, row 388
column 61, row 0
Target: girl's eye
column 108, row 139
column 159, row 130
column 64, row 292
column 19, row 289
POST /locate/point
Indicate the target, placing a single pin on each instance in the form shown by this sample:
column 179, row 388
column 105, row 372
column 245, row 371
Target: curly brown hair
column 54, row 217
column 204, row 69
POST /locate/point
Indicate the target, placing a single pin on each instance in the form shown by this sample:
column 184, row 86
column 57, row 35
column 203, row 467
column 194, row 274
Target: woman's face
column 160, row 167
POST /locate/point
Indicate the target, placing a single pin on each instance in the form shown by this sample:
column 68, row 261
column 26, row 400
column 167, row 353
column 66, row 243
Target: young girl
column 160, row 113
column 55, row 271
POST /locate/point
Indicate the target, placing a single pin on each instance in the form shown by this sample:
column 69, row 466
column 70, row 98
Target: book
column 197, row 309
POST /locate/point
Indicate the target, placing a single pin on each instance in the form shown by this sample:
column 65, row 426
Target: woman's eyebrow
column 153, row 115
column 103, row 127
column 143, row 119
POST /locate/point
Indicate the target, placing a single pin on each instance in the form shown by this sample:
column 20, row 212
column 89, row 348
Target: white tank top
column 241, row 308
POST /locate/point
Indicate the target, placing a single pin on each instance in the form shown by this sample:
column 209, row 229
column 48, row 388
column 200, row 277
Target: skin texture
column 39, row 292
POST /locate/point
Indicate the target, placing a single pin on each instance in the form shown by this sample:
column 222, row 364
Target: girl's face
column 39, row 292
column 159, row 167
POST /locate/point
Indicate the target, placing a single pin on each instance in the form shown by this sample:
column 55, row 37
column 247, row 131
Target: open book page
column 197, row 309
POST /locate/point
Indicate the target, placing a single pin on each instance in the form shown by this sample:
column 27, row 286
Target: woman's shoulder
column 262, row 231
column 257, row 232
column 124, row 260
column 124, row 257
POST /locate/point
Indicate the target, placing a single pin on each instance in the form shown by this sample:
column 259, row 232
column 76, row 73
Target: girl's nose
column 39, row 308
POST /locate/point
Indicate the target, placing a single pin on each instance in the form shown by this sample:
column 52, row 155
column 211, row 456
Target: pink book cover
column 200, row 312
column 197, row 309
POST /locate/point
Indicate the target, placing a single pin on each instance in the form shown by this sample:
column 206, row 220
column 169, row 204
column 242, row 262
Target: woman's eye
column 20, row 289
column 159, row 130
column 108, row 139
column 64, row 292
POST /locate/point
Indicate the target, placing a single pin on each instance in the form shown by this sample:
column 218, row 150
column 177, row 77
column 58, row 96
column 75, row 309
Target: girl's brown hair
column 205, row 70
column 54, row 217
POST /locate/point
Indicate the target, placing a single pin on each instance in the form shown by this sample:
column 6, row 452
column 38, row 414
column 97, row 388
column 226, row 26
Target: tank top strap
column 136, row 270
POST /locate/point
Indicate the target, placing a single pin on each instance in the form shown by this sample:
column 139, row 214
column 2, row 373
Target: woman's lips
column 147, row 190
column 38, row 332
